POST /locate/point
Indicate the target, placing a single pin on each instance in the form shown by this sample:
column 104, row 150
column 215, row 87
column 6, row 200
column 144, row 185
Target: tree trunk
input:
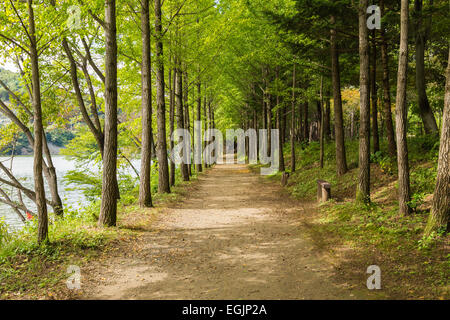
column 373, row 84
column 440, row 211
column 205, row 124
column 280, row 135
column 210, row 125
column 327, row 116
column 39, row 189
column 322, row 124
column 180, row 114
column 392, row 148
column 363, row 190
column 108, row 212
column 293, row 121
column 429, row 122
column 255, row 126
column 187, row 121
column 172, row 85
column 284, row 123
column 401, row 113
column 145, row 195
column 199, row 117
column 163, row 166
column 341, row 159
column 269, row 122
column 305, row 119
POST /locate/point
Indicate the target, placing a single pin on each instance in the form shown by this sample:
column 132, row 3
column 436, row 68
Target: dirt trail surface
column 233, row 237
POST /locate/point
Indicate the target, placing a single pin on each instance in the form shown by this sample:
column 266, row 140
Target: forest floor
column 234, row 236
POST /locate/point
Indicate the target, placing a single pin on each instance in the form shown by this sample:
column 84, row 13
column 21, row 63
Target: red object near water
column 29, row 216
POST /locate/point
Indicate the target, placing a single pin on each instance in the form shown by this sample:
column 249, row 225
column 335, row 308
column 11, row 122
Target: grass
column 32, row 271
column 412, row 266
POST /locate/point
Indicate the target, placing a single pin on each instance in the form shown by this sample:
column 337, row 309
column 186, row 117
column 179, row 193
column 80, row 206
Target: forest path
column 233, row 237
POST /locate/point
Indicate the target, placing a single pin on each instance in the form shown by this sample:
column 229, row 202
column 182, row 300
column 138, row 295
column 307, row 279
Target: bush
column 4, row 234
column 386, row 163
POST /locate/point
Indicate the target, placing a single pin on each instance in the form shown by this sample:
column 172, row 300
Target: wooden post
column 323, row 191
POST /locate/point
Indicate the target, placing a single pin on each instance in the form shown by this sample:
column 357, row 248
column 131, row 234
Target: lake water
column 22, row 168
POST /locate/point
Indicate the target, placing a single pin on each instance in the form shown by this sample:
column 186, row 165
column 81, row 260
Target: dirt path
column 233, row 237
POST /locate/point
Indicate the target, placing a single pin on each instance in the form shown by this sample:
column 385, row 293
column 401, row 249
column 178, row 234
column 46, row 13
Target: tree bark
column 145, row 195
column 440, row 211
column 269, row 121
column 38, row 130
column 108, row 212
column 327, row 116
column 363, row 189
column 280, row 135
column 293, row 121
column 305, row 120
column 163, row 166
column 401, row 113
column 392, row 148
column 341, row 159
column 373, row 84
column 172, row 85
column 322, row 125
column 199, row 116
column 180, row 114
column 429, row 122
column 187, row 121
column 205, row 125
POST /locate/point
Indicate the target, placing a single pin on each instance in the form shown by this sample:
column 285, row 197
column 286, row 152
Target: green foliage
column 386, row 163
column 423, row 179
column 417, row 199
column 429, row 241
column 60, row 137
column 4, row 233
column 12, row 80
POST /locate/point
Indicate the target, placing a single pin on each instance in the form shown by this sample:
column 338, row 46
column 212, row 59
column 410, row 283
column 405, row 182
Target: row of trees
column 86, row 55
column 302, row 53
column 135, row 70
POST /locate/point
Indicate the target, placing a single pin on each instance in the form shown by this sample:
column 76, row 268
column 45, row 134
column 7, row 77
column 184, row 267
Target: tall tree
column 401, row 113
column 341, row 158
column 108, row 211
column 374, row 94
column 292, row 121
column 363, row 191
column 422, row 32
column 38, row 128
column 163, row 185
column 392, row 148
column 180, row 113
column 322, row 125
column 145, row 195
column 440, row 211
column 280, row 130
column 187, row 121
column 172, row 86
column 199, row 117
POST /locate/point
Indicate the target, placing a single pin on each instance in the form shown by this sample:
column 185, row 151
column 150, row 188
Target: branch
column 12, row 204
column 16, row 98
column 91, row 61
column 14, row 42
column 21, row 21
